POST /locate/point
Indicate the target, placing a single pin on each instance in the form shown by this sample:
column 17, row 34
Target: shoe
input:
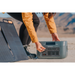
column 30, row 55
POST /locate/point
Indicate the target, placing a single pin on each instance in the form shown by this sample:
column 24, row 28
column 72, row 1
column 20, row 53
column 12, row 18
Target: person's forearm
column 50, row 23
column 27, row 19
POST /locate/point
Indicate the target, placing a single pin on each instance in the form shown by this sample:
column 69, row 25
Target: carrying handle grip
column 7, row 21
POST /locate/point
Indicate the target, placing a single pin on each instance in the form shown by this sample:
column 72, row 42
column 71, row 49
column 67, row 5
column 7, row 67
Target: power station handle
column 7, row 21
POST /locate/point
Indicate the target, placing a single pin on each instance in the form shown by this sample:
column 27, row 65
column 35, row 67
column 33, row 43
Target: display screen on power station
column 50, row 43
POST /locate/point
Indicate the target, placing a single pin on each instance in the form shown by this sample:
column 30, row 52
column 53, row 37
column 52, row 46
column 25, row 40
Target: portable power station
column 54, row 49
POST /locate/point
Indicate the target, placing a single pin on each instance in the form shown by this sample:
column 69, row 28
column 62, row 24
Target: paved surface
column 69, row 58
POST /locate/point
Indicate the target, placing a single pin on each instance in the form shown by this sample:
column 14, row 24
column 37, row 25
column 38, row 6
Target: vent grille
column 51, row 52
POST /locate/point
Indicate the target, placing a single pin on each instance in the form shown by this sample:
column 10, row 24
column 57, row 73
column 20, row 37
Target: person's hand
column 55, row 37
column 39, row 47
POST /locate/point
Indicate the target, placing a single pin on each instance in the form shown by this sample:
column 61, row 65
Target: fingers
column 55, row 37
column 41, row 49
